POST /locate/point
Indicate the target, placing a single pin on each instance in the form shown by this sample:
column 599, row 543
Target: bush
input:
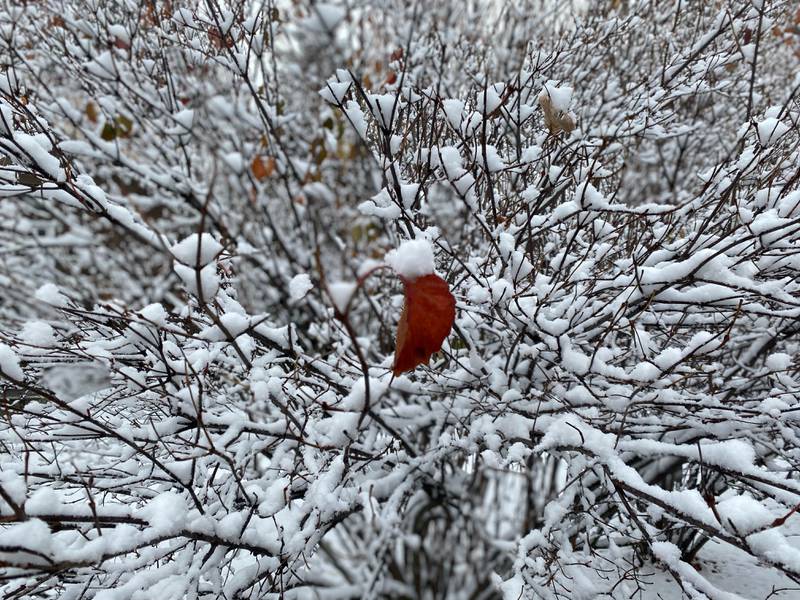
column 197, row 367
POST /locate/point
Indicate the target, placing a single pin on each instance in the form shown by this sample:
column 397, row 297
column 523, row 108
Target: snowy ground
column 731, row 570
column 726, row 567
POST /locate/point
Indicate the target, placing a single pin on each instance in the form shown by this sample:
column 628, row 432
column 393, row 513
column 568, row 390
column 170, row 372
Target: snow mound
column 197, row 249
column 412, row 259
column 299, row 286
column 340, row 293
column 560, row 97
column 770, row 130
column 9, row 363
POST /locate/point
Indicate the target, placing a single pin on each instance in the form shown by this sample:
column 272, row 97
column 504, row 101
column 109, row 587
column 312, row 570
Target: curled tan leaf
column 555, row 120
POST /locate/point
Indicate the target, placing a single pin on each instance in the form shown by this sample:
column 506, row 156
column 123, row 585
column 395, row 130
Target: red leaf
column 429, row 311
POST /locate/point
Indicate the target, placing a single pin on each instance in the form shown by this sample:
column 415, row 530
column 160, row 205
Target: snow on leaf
column 555, row 102
column 412, row 259
column 166, row 513
column 197, row 249
column 770, row 130
column 335, row 91
column 38, row 333
column 381, row 205
column 50, row 294
column 454, row 110
column 299, row 286
column 202, row 282
column 9, row 363
column 340, row 293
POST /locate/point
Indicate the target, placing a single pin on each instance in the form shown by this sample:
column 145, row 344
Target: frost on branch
column 212, row 381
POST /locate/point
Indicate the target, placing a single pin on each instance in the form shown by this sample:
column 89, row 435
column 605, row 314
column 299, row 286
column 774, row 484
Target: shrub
column 198, row 398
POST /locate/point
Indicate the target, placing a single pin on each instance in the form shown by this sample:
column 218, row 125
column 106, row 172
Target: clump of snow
column 155, row 313
column 197, row 249
column 394, row 144
column 573, row 360
column 478, row 294
column 120, row 33
column 209, row 282
column 38, row 147
column 43, row 501
column 560, row 97
column 512, row 588
column 166, row 513
column 744, row 514
column 356, row 117
column 340, row 293
column 384, row 107
column 356, row 399
column 9, row 363
column 335, row 91
column 380, row 205
column 185, row 119
column 530, row 154
column 789, row 205
column 412, row 259
column 299, row 286
column 449, row 159
column 502, row 291
column 773, row 545
column 274, row 497
column 235, row 323
column 779, row 361
column 494, row 162
column 6, row 120
column 235, row 161
column 33, row 535
column 530, row 193
column 38, row 333
column 409, row 193
column 454, row 110
column 586, row 195
column 667, row 358
column 645, row 372
column 770, row 130
column 489, row 99
column 666, row 552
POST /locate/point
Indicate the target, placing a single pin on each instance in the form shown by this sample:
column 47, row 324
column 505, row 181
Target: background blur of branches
column 612, row 194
